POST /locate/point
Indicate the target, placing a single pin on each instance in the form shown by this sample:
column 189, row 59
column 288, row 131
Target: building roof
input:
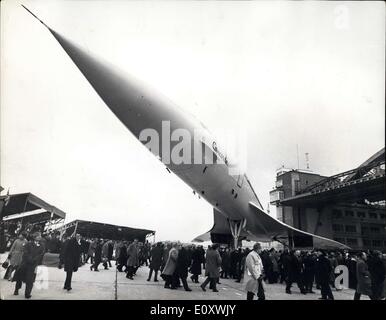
column 27, row 203
column 93, row 229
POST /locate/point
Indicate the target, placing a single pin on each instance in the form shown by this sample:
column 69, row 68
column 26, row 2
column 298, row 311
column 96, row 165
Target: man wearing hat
column 324, row 272
column 26, row 272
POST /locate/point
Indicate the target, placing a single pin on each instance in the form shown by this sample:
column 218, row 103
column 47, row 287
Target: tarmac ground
column 113, row 285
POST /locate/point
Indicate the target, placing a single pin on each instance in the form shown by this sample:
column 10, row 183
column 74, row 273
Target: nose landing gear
column 236, row 227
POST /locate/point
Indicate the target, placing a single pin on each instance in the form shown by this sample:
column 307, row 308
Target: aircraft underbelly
column 215, row 186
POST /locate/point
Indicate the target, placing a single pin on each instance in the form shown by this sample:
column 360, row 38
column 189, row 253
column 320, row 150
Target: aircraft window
column 202, row 192
column 235, row 195
column 204, row 169
column 233, row 191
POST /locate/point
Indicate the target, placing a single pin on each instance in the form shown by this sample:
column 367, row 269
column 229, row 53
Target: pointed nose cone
column 136, row 105
column 120, row 93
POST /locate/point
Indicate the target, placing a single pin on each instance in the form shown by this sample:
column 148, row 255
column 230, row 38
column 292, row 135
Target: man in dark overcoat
column 183, row 264
column 32, row 256
column 363, row 277
column 122, row 257
column 72, row 259
column 63, row 245
column 155, row 261
column 197, row 260
column 324, row 273
column 377, row 272
column 295, row 272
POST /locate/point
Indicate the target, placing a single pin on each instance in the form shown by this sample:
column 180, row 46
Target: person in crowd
column 182, row 266
column 232, row 270
column 340, row 259
column 133, row 259
column 363, row 277
column 15, row 255
column 145, row 253
column 195, row 268
column 116, row 250
column 225, row 264
column 377, row 273
column 334, row 264
column 309, row 271
column 26, row 272
column 324, row 270
column 155, row 261
column 283, row 263
column 110, row 252
column 105, row 254
column 43, row 243
column 267, row 265
column 84, row 249
column 141, row 259
column 91, row 250
column 202, row 253
column 242, row 265
column 170, row 267
column 189, row 250
column 97, row 255
column 72, row 255
column 384, row 286
column 63, row 245
column 274, row 275
column 253, row 274
column 122, row 256
column 351, row 264
column 53, row 243
column 165, row 255
column 295, row 270
column 238, row 259
column 212, row 267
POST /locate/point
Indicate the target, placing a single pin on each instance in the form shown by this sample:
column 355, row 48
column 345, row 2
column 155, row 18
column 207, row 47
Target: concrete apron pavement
column 110, row 285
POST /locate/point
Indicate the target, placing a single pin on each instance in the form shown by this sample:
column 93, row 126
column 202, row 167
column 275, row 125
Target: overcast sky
column 306, row 73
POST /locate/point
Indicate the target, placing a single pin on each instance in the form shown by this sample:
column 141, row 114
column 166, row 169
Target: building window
column 337, row 213
column 279, row 183
column 376, row 243
column 375, row 229
column 365, row 229
column 341, row 240
column 382, row 216
column 352, row 241
column 337, row 227
column 349, row 213
column 361, row 214
column 351, row 228
column 366, row 242
column 373, row 215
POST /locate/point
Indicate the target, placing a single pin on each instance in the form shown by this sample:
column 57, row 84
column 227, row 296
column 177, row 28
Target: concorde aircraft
column 238, row 213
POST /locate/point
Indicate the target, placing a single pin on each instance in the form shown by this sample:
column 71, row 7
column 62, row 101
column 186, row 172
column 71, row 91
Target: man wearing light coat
column 253, row 275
